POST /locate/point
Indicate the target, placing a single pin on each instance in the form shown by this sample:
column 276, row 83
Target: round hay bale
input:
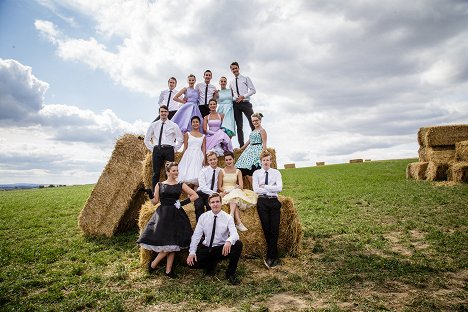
column 437, row 171
column 114, row 203
column 416, row 170
column 147, row 168
column 461, row 151
column 290, row 236
column 445, row 135
column 458, row 172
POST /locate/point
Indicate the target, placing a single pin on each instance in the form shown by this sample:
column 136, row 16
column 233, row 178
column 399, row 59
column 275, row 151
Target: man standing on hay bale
column 221, row 241
column 167, row 98
column 167, row 138
column 267, row 182
column 207, row 184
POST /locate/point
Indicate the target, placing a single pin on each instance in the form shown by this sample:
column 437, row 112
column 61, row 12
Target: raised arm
column 177, row 96
column 191, row 193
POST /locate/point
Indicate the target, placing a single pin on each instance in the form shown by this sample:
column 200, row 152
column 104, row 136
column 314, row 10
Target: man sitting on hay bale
column 267, row 182
column 221, row 241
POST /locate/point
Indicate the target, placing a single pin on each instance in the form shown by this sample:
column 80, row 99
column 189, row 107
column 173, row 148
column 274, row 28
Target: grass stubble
column 372, row 241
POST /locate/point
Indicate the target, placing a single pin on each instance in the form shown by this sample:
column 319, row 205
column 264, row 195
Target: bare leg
column 170, row 261
column 233, row 209
column 249, row 178
column 237, row 215
column 158, row 259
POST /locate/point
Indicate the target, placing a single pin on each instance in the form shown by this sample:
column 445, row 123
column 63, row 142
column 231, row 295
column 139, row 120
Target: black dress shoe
column 232, row 279
column 171, row 274
column 274, row 263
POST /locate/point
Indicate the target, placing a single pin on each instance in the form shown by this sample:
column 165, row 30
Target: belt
column 256, row 143
column 266, row 196
column 164, row 146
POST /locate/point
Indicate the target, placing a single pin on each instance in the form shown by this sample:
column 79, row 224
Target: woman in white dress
column 230, row 184
column 193, row 156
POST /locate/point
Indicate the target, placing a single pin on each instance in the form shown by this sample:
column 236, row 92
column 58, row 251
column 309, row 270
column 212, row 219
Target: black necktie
column 212, row 233
column 169, row 98
column 266, row 177
column 213, row 179
column 206, row 94
column 237, row 87
column 160, row 134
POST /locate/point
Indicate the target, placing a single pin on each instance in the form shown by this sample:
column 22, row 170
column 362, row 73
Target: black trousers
column 204, row 110
column 201, row 203
column 207, row 259
column 269, row 212
column 239, row 108
column 160, row 156
column 171, row 114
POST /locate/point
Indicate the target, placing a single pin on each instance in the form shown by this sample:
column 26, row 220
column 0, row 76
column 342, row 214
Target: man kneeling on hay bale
column 267, row 182
column 221, row 241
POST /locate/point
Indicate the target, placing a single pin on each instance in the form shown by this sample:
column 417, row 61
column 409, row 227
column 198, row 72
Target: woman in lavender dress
column 216, row 139
column 189, row 108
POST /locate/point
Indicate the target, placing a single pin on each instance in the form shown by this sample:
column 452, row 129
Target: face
column 212, row 105
column 191, row 81
column 256, row 122
column 213, row 161
column 163, row 113
column 235, row 70
column 266, row 162
column 207, row 76
column 195, row 124
column 228, row 160
column 172, row 84
column 223, row 83
column 173, row 172
column 215, row 204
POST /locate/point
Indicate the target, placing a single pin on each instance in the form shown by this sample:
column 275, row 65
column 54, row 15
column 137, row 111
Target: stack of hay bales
column 290, row 236
column 114, row 203
column 442, row 154
column 254, row 242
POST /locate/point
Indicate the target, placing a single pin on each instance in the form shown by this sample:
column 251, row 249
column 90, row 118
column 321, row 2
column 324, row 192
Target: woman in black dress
column 169, row 228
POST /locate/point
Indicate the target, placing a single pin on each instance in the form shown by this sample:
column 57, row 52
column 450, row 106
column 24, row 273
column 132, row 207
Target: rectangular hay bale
column 416, row 170
column 289, row 166
column 437, row 171
column 353, row 161
column 320, row 163
column 445, row 135
column 439, row 154
column 421, row 136
column 458, row 172
column 461, row 151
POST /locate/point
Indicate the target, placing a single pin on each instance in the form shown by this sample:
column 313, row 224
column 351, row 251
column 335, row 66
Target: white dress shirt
column 163, row 97
column 171, row 135
column 201, row 91
column 275, row 182
column 204, row 180
column 246, row 87
column 225, row 230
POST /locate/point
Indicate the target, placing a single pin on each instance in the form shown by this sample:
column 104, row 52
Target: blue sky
column 335, row 80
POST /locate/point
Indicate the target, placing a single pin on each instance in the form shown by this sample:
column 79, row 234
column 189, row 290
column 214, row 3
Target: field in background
column 372, row 241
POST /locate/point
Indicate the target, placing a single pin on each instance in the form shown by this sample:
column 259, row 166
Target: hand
column 226, row 248
column 184, row 101
column 177, row 204
column 191, row 259
column 240, row 98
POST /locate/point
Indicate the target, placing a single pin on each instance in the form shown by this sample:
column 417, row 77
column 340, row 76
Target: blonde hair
column 258, row 115
column 265, row 153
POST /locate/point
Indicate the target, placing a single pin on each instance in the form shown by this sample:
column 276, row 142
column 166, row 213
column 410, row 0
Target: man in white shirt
column 207, row 184
column 267, row 182
column 163, row 138
column 206, row 92
column 242, row 88
column 221, row 241
column 167, row 98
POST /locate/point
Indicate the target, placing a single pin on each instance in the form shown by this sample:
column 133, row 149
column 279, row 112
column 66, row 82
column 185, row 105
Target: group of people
column 205, row 130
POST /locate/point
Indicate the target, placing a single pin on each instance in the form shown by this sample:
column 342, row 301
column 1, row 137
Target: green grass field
column 372, row 241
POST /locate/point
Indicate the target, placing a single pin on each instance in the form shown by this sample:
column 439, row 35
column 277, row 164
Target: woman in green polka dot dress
column 249, row 160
